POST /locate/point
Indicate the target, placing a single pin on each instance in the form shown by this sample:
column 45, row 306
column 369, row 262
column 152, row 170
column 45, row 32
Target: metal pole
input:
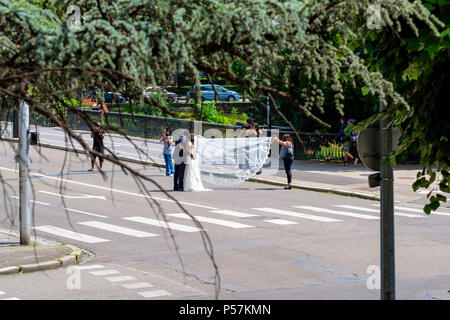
column 15, row 124
column 24, row 183
column 387, row 215
column 269, row 124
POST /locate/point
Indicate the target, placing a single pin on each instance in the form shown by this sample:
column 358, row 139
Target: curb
column 257, row 180
column 317, row 189
column 73, row 258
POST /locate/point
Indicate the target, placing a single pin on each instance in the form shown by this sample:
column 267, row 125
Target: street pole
column 15, row 123
column 24, row 183
column 269, row 124
column 387, row 214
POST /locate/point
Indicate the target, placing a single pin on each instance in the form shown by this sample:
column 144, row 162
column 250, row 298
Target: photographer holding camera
column 167, row 151
column 98, row 134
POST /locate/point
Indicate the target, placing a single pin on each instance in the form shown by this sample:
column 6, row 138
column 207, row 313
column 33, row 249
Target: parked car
column 168, row 96
column 109, row 97
column 208, row 93
column 115, row 97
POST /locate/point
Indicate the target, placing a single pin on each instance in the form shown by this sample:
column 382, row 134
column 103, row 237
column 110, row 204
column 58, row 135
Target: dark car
column 115, row 97
column 109, row 97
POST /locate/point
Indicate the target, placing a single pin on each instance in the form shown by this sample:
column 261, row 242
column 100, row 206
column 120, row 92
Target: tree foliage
column 126, row 45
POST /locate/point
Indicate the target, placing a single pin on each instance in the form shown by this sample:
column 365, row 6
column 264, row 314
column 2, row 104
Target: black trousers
column 287, row 167
column 99, row 149
column 178, row 176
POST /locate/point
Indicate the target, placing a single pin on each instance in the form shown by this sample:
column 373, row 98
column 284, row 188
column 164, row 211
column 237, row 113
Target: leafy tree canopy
column 128, row 44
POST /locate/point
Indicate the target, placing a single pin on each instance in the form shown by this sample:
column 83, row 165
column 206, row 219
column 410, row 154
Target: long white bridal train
column 225, row 161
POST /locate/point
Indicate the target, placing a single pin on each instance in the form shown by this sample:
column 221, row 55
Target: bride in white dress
column 192, row 179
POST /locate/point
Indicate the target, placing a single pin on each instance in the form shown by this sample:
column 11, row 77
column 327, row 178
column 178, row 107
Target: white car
column 168, row 96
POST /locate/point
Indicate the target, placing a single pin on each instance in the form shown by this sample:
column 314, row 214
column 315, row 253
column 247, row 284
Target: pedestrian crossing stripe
column 342, row 213
column 139, row 285
column 439, row 213
column 120, row 278
column 235, row 213
column 280, row 221
column 377, row 211
column 296, row 214
column 104, row 272
column 89, row 267
column 248, row 215
column 154, row 293
column 225, row 223
column 163, row 224
column 70, row 234
column 117, row 229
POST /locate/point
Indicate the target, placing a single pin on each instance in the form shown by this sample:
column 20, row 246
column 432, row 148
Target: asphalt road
column 267, row 243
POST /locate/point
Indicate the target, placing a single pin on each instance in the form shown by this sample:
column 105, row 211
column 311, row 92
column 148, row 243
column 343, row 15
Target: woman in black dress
column 287, row 154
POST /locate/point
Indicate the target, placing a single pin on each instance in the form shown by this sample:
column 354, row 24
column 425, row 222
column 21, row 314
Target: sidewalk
column 42, row 255
column 327, row 176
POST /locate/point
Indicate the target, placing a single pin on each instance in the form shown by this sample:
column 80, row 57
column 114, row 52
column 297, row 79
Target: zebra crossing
column 115, row 276
column 235, row 220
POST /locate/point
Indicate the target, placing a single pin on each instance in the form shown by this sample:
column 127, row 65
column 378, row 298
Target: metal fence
column 317, row 146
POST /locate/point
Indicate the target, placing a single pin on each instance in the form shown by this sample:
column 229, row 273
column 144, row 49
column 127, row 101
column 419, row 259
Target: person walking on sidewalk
column 167, row 151
column 287, row 154
column 353, row 145
column 346, row 141
column 98, row 134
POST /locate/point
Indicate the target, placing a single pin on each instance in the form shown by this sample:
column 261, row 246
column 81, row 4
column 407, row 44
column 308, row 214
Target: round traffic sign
column 369, row 145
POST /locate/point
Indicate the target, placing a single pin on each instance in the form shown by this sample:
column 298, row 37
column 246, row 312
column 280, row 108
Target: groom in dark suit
column 180, row 154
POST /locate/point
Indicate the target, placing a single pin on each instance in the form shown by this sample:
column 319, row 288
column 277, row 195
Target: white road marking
column 139, row 285
column 186, row 203
column 296, row 214
column 154, row 293
column 420, row 210
column 1, row 292
column 377, row 211
column 13, row 298
column 280, row 221
column 108, row 189
column 163, row 224
column 122, row 278
column 94, row 266
column 42, row 203
column 82, row 196
column 104, row 272
column 87, row 213
column 225, row 223
column 70, row 234
column 118, row 229
column 342, row 213
column 34, row 201
column 248, row 215
column 235, row 213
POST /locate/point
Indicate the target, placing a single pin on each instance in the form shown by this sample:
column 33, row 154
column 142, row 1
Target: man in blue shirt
column 346, row 141
column 167, row 151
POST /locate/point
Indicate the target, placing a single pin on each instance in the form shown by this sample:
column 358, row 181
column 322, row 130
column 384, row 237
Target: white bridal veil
column 230, row 161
